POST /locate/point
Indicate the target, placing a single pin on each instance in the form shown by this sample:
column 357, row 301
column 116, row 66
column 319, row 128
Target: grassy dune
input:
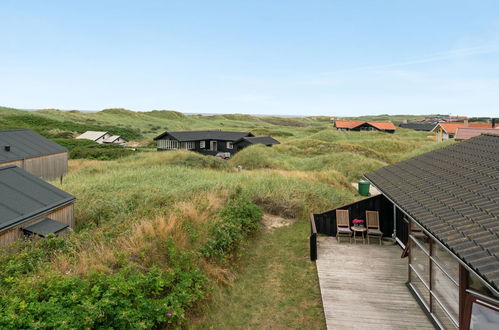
column 182, row 230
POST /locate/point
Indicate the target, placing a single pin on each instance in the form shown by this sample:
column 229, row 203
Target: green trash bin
column 364, row 187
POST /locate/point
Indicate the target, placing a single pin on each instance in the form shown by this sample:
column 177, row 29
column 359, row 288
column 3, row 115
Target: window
column 202, row 144
column 484, row 316
column 167, row 144
column 188, row 145
column 230, row 145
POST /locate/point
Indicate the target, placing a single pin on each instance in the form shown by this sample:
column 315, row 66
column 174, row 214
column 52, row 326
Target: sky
column 335, row 58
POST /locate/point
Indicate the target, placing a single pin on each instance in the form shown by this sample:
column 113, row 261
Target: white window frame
column 230, row 145
column 202, row 144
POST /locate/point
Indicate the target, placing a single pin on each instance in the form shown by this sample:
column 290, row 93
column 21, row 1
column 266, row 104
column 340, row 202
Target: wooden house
column 96, row 136
column 445, row 131
column 355, row 125
column 442, row 209
column 31, row 206
column 34, row 153
column 210, row 142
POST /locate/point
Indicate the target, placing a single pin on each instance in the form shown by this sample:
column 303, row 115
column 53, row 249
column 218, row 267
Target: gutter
column 490, row 287
column 10, row 224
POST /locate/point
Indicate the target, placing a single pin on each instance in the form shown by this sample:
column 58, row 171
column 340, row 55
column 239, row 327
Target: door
column 213, row 145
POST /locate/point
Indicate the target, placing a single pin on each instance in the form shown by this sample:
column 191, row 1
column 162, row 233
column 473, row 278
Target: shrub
column 236, row 220
column 129, row 298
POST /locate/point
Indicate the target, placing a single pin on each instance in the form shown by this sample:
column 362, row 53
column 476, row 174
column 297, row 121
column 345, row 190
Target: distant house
column 442, row 209
column 34, row 153
column 31, row 206
column 209, row 142
column 248, row 141
column 96, row 136
column 115, row 139
column 445, row 131
column 354, row 125
column 418, row 126
column 465, row 133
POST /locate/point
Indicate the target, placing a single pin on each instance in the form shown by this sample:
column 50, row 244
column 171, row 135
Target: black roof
column 453, row 193
column 25, row 143
column 45, row 227
column 185, row 136
column 266, row 140
column 23, row 197
column 418, row 127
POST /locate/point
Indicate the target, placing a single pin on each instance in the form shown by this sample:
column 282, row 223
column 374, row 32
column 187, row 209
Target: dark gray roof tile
column 24, row 144
column 23, row 196
column 453, row 192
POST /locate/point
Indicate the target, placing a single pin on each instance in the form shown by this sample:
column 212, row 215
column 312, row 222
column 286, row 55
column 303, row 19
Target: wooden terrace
column 363, row 287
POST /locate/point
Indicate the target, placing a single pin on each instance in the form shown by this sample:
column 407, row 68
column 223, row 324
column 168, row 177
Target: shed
column 248, row 141
column 115, row 139
column 34, row 153
column 26, row 202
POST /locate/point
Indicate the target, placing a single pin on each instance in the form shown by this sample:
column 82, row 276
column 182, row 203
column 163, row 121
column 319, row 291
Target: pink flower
column 169, row 314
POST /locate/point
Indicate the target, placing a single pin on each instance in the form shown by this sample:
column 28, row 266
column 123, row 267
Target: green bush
column 44, row 125
column 131, row 298
column 88, row 149
column 237, row 219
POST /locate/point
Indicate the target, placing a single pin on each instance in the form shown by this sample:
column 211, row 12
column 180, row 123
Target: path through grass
column 276, row 286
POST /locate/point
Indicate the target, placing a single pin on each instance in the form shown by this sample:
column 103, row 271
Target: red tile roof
column 382, row 125
column 354, row 123
column 465, row 133
column 348, row 123
column 451, row 128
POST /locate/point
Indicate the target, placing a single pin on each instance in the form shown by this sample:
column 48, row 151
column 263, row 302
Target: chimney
column 466, row 123
column 7, row 148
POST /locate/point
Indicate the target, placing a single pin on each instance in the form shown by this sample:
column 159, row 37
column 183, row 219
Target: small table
column 362, row 230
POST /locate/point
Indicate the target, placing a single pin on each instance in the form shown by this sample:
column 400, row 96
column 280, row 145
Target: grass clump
column 87, row 149
column 236, row 220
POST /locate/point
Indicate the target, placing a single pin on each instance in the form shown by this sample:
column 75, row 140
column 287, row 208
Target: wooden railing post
column 313, row 239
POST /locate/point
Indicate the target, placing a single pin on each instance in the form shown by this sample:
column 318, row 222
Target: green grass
column 133, row 209
column 275, row 286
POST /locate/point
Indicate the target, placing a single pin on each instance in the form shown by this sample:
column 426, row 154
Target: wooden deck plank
column 363, row 287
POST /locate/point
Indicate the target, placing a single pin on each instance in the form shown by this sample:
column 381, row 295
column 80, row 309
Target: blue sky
column 338, row 58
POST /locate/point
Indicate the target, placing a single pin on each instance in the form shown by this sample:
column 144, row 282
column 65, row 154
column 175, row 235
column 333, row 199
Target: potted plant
column 358, row 222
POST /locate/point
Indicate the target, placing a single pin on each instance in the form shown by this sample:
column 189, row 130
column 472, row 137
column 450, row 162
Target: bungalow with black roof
column 209, row 142
column 442, row 208
column 34, row 153
column 31, row 206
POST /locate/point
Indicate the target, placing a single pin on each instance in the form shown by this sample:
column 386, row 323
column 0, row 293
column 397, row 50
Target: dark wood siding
column 63, row 214
column 326, row 222
column 48, row 167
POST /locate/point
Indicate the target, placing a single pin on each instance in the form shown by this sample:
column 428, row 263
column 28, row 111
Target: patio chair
column 372, row 224
column 343, row 225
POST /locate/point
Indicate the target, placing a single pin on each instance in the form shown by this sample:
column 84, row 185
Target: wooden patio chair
column 343, row 225
column 372, row 224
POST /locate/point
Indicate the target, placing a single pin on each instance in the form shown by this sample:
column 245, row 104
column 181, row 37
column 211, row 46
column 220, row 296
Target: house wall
column 64, row 214
column 326, row 222
column 221, row 146
column 102, row 138
column 48, row 167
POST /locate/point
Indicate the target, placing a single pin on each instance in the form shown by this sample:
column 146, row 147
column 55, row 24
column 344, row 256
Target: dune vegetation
column 169, row 239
